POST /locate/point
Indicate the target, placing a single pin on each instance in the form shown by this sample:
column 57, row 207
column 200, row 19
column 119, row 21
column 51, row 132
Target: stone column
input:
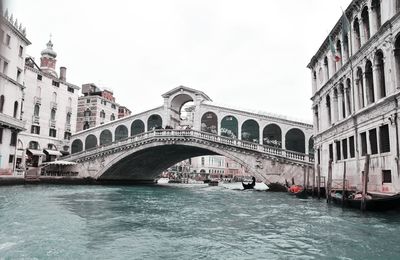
column 334, row 108
column 347, row 104
column 365, row 90
column 376, row 75
column 261, row 132
column 240, row 130
column 340, row 105
column 357, row 104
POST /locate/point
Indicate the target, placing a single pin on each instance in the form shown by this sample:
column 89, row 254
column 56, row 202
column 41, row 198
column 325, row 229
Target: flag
column 335, row 56
column 345, row 26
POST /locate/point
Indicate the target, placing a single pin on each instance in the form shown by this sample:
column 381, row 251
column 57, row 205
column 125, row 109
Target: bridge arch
column 251, row 131
column 272, row 135
column 137, row 127
column 154, row 122
column 90, row 142
column 229, row 126
column 77, row 146
column 295, row 140
column 121, row 132
column 106, row 137
column 209, row 122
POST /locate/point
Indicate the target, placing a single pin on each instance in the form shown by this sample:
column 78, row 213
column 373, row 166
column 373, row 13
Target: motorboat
column 163, row 181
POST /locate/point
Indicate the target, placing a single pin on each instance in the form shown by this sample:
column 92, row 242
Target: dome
column 49, row 50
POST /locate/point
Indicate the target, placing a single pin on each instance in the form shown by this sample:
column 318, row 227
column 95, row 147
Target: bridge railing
column 197, row 134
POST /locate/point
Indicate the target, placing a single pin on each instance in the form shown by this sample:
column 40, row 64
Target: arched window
column 348, row 97
column 121, row 132
column 68, row 119
column 380, row 74
column 369, row 81
column 229, row 127
column 90, row 142
column 328, row 109
column 342, row 101
column 53, row 114
column 365, row 24
column 15, row 114
column 86, row 126
column 295, row 140
column 209, row 123
column 87, row 113
column 112, row 117
column 272, row 136
column 1, row 103
column 137, row 127
column 357, row 35
column 316, row 117
column 102, row 114
column 346, row 47
column 34, row 145
column 397, row 56
column 360, row 89
column 54, row 97
column 251, row 131
column 77, row 146
column 36, row 110
column 105, row 137
column 154, row 122
column 326, row 67
column 376, row 9
column 339, row 52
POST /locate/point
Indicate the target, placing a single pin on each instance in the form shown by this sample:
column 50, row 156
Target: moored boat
column 373, row 202
column 299, row 191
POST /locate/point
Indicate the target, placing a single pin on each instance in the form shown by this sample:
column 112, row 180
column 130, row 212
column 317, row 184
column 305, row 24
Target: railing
column 295, row 156
column 67, row 127
column 35, row 119
column 38, row 100
column 52, row 123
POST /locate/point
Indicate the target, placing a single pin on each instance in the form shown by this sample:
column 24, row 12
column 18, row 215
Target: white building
column 355, row 85
column 13, row 43
column 50, row 109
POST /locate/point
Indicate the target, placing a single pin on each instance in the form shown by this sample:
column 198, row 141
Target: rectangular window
column 338, row 151
column 8, row 40
column 363, row 137
column 386, row 176
column 11, row 159
column 13, row 141
column 71, row 90
column 39, row 77
column 319, row 156
column 88, row 100
column 384, row 139
column 373, row 141
column 5, row 67
column 344, row 147
column 21, row 51
column 352, row 150
column 56, row 83
column 331, row 152
column 1, row 135
column 53, row 132
column 35, row 130
column 67, row 136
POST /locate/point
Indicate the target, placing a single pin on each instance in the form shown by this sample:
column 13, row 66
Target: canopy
column 61, row 163
column 52, row 152
column 36, row 152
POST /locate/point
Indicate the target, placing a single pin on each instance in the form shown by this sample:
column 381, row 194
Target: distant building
column 13, row 42
column 50, row 109
column 355, row 85
column 97, row 106
column 216, row 167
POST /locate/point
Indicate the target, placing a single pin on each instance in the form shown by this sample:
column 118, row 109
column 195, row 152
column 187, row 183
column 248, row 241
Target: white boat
column 163, row 181
column 260, row 186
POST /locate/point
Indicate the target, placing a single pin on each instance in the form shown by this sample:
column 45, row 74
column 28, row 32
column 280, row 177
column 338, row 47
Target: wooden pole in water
column 304, row 177
column 313, row 181
column 308, row 177
column 365, row 182
column 329, row 184
column 344, row 183
column 319, row 181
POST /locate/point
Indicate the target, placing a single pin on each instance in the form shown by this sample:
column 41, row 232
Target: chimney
column 63, row 73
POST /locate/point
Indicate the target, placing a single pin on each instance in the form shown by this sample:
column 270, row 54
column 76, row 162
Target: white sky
column 249, row 54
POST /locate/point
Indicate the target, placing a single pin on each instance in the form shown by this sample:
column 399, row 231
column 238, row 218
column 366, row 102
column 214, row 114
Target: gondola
column 249, row 186
column 298, row 191
column 372, row 203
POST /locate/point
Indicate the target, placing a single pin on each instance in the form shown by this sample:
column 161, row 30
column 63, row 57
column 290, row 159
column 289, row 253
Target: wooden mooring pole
column 365, row 182
column 319, row 181
column 328, row 189
column 344, row 184
column 304, row 177
column 313, row 181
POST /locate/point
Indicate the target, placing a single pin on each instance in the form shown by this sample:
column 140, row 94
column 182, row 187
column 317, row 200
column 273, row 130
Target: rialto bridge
column 141, row 146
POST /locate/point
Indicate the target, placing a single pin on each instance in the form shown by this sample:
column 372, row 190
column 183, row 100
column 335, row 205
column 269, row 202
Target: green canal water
column 96, row 222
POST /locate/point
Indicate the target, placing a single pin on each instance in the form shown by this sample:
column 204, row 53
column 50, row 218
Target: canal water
column 96, row 222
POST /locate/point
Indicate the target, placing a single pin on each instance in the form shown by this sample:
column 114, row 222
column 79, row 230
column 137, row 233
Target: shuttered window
column 384, row 139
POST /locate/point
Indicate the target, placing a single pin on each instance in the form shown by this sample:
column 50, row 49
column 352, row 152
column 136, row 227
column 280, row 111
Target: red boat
column 298, row 190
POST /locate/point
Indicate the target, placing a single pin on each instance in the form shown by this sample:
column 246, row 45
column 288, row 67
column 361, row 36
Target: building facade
column 97, row 106
column 13, row 43
column 50, row 109
column 355, row 85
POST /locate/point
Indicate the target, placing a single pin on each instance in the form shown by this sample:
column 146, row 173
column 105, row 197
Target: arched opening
column 105, row 137
column 360, row 89
column 15, row 114
column 326, row 68
column 137, row 127
column 251, row 131
column 357, row 35
column 230, row 127
column 348, row 98
column 90, row 142
column 102, row 114
column 339, row 53
column 209, row 123
column 186, row 114
column 365, row 24
column 376, row 10
column 311, row 150
column 369, row 81
column 380, row 74
column 335, row 106
column 328, row 109
column 342, row 101
column 272, row 136
column 77, row 146
column 53, row 114
column 346, row 46
column 1, row 103
column 295, row 140
column 121, row 132
column 36, row 110
column 316, row 117
column 397, row 57
column 154, row 122
column 68, row 118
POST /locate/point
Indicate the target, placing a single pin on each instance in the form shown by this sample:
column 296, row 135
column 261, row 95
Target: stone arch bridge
column 141, row 146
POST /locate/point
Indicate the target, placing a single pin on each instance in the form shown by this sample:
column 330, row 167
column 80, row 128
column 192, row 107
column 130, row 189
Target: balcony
column 12, row 122
column 52, row 123
column 37, row 100
column 35, row 120
column 53, row 105
column 68, row 127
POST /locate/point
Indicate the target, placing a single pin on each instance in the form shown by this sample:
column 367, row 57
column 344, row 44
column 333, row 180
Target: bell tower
column 48, row 60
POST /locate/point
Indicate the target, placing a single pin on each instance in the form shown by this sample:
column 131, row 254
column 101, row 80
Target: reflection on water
column 88, row 222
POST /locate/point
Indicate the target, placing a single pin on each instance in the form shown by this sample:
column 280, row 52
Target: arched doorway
column 295, row 140
column 251, row 131
column 209, row 123
column 230, row 127
column 137, row 127
column 272, row 136
column 105, row 137
column 121, row 132
column 154, row 122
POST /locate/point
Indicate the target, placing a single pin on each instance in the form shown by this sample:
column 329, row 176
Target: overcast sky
column 249, row 54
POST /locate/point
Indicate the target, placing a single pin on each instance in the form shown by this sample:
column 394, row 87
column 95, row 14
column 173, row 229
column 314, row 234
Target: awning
column 61, row 163
column 35, row 152
column 52, row 152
